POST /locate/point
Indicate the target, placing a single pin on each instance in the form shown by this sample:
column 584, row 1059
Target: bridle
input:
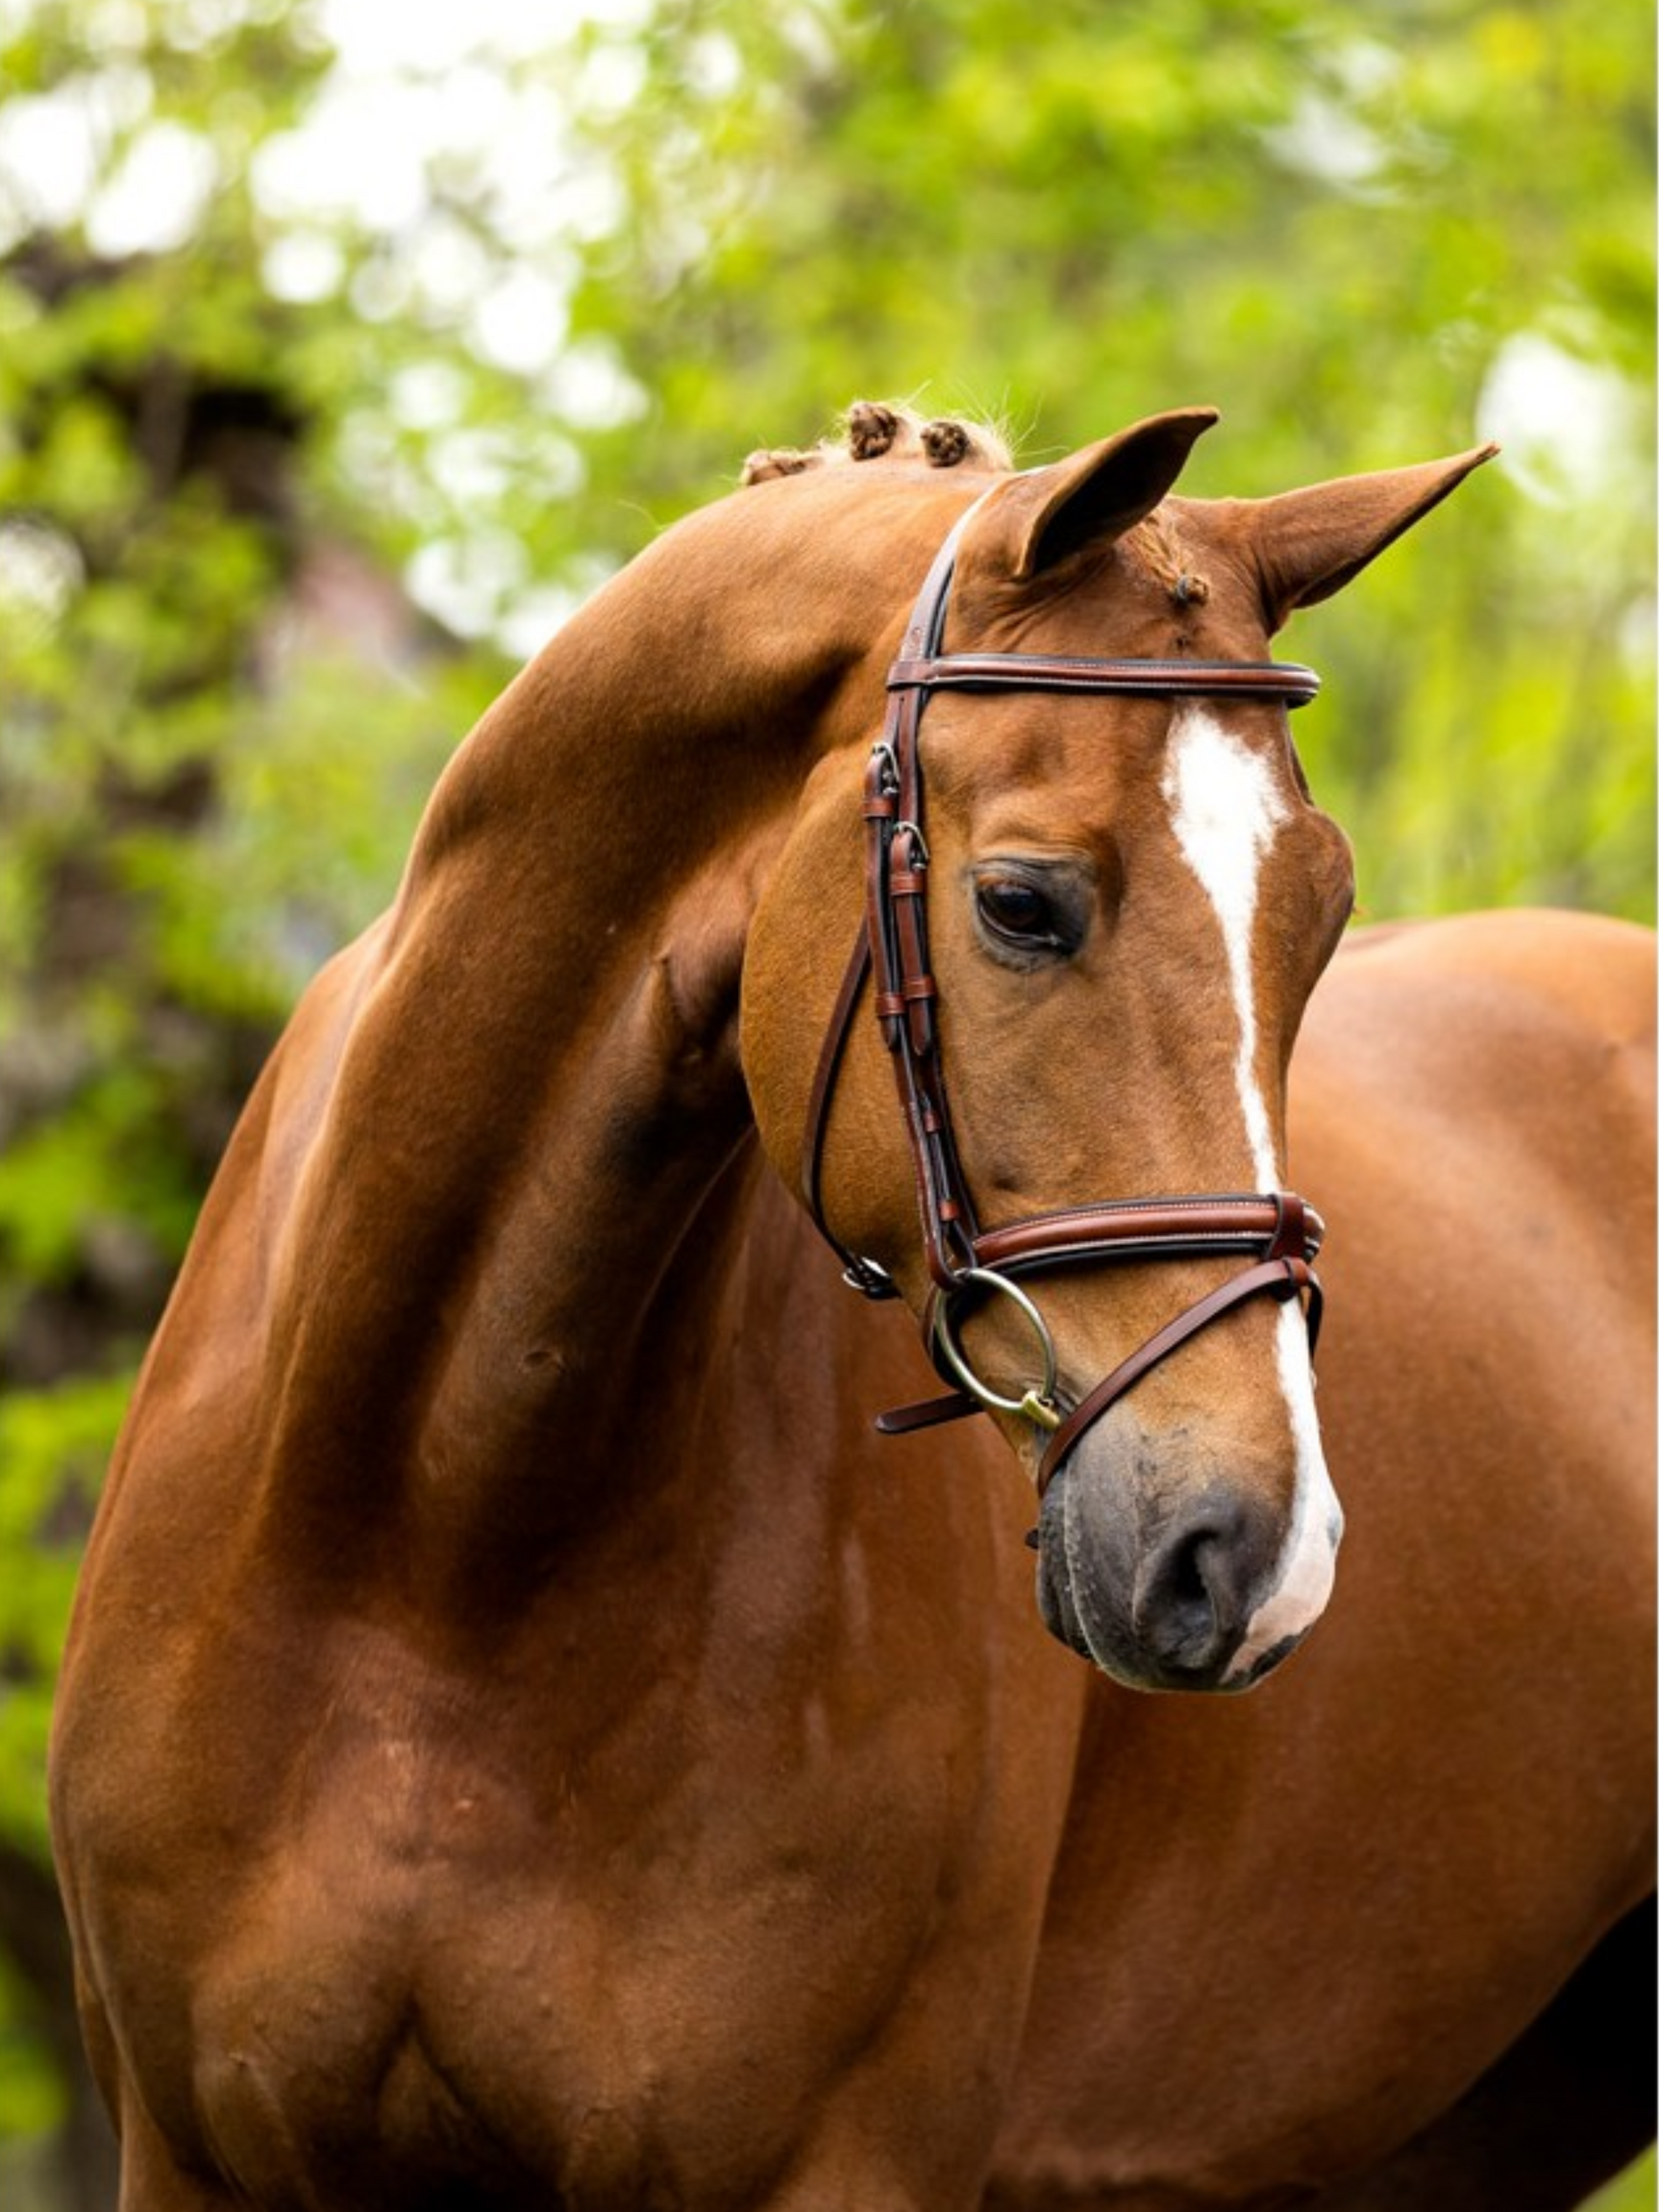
column 1275, row 1230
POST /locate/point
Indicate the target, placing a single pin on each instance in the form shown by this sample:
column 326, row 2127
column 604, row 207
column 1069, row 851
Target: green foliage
column 1636, row 2190
column 1352, row 230
column 53, row 1448
column 1371, row 236
column 30, row 2094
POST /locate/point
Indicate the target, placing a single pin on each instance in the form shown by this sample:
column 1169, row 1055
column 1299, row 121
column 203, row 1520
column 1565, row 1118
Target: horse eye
column 1016, row 911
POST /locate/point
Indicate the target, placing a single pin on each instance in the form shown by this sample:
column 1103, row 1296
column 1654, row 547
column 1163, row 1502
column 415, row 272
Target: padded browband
column 1286, row 681
column 1147, row 1229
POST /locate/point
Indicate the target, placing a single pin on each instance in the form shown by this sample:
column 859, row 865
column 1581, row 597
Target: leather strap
column 1285, row 1278
column 928, row 1413
column 1151, row 1228
column 1284, row 680
column 861, row 1274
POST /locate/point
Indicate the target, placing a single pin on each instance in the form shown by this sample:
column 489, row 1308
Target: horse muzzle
column 1172, row 1574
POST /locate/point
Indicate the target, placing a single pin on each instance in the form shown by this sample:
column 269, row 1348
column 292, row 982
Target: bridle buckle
column 868, row 1279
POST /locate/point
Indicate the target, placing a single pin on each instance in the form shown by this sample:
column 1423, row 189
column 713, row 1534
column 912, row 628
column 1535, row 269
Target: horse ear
column 1309, row 543
column 1035, row 519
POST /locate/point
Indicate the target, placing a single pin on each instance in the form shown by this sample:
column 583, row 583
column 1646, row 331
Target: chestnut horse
column 526, row 1741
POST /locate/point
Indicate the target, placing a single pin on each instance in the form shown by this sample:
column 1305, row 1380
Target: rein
column 1277, row 1230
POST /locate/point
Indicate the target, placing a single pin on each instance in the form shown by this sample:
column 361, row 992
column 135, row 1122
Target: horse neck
column 525, row 1168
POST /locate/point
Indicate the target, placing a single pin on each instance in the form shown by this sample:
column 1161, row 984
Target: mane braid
column 873, row 430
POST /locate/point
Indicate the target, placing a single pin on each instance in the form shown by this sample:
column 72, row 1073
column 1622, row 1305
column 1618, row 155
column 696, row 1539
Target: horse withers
column 525, row 1739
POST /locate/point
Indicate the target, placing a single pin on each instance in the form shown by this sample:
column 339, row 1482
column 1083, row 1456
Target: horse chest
column 449, row 1968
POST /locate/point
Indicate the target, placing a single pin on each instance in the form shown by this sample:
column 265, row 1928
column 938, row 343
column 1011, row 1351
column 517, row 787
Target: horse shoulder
column 1497, row 1064
column 1471, row 999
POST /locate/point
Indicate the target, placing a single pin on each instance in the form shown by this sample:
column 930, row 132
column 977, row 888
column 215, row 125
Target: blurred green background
column 344, row 347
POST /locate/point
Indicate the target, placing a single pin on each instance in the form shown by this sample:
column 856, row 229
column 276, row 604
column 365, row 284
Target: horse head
column 1097, row 894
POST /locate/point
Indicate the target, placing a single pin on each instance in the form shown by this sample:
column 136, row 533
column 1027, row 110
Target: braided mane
column 874, row 431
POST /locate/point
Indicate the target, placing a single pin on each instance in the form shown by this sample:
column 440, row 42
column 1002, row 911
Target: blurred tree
column 1369, row 238
column 343, row 348
column 219, row 713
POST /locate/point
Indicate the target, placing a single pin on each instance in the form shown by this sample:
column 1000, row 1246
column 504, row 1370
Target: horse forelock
column 1157, row 541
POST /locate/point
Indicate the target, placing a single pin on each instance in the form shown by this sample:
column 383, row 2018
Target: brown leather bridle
column 1277, row 1230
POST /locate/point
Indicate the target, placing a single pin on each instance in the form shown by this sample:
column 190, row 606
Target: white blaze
column 1225, row 809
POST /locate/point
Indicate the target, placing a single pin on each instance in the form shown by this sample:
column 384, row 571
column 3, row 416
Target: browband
column 1283, row 679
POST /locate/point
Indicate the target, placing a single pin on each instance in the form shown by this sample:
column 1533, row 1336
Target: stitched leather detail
column 1285, row 680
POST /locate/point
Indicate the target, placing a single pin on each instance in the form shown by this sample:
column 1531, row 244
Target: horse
column 526, row 1739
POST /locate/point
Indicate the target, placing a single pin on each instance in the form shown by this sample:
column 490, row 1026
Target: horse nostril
column 1195, row 1590
column 1195, row 1570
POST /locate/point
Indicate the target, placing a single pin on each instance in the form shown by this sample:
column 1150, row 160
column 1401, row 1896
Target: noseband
column 1276, row 1231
